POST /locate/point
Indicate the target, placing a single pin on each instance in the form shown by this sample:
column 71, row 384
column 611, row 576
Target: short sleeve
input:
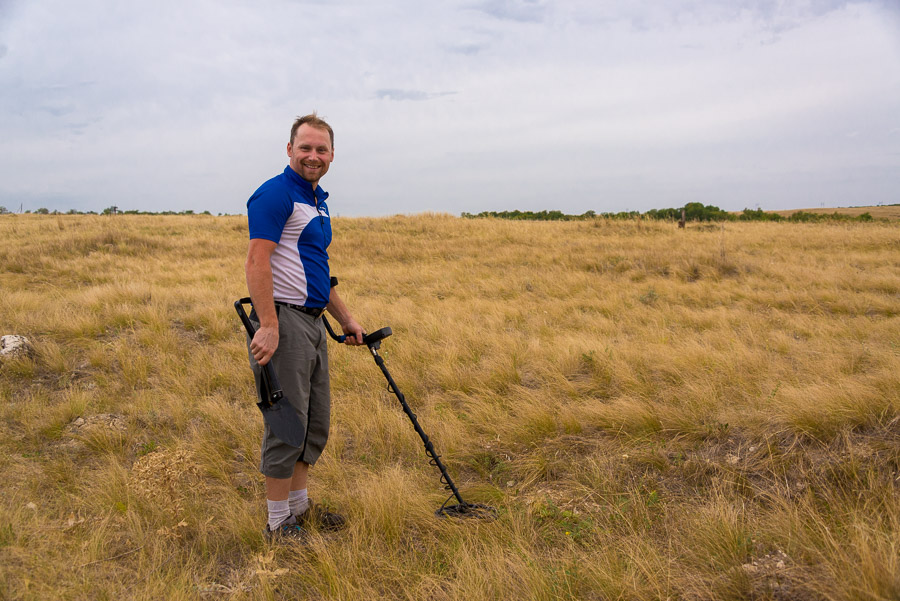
column 267, row 211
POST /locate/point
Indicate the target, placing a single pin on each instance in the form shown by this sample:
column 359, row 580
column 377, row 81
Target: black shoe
column 317, row 516
column 286, row 532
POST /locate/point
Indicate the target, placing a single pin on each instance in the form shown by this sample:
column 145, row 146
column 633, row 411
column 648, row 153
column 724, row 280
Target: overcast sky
column 452, row 106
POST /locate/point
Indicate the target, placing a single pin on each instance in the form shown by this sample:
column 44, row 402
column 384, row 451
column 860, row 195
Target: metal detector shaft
column 429, row 448
column 373, row 341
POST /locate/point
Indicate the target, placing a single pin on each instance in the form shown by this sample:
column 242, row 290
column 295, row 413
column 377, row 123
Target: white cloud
column 462, row 106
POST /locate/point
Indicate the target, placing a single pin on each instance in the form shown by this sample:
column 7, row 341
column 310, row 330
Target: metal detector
column 459, row 510
column 277, row 412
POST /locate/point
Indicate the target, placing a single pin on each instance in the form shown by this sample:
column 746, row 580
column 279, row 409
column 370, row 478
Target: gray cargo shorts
column 301, row 364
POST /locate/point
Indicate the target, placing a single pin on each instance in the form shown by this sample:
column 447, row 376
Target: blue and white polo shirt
column 286, row 210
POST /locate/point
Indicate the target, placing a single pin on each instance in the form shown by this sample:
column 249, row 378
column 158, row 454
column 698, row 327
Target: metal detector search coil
column 459, row 510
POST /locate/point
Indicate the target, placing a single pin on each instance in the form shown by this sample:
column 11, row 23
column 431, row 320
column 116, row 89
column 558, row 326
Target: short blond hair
column 313, row 121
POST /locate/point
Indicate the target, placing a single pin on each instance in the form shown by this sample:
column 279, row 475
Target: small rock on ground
column 13, row 345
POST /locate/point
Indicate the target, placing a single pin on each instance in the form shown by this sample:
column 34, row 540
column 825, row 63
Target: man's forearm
column 258, row 270
column 259, row 284
column 338, row 309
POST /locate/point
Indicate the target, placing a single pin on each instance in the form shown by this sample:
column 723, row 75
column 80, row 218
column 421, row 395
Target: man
column 290, row 284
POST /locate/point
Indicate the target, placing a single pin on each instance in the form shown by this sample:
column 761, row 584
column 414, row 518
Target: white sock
column 299, row 501
column 279, row 511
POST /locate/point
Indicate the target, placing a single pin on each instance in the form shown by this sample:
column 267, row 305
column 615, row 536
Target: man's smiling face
column 310, row 153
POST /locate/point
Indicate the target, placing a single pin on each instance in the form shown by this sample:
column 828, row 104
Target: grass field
column 708, row 413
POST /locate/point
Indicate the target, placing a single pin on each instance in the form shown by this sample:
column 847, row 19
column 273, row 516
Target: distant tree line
column 693, row 211
column 537, row 215
column 106, row 211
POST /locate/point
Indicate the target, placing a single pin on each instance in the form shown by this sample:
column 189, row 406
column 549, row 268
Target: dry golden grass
column 711, row 413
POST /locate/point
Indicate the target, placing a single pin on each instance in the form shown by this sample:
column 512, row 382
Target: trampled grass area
column 709, row 413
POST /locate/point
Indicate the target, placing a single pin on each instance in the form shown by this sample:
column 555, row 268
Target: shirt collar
column 314, row 195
